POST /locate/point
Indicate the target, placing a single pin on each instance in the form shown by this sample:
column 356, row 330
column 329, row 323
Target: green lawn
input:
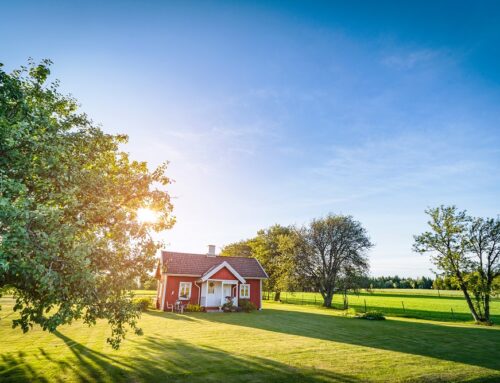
column 282, row 343
column 420, row 304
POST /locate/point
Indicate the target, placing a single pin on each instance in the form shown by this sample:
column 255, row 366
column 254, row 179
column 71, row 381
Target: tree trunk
column 327, row 299
column 469, row 303
column 487, row 307
column 277, row 295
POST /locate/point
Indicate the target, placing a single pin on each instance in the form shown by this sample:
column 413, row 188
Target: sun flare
column 145, row 215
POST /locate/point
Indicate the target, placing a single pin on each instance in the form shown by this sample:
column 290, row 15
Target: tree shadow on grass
column 478, row 346
column 16, row 368
column 161, row 360
column 170, row 315
column 408, row 312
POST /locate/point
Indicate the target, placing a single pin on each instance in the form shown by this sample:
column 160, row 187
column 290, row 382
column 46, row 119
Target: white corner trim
column 199, row 292
column 164, row 295
column 220, row 267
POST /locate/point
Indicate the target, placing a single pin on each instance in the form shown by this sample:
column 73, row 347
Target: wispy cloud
column 411, row 59
column 389, row 165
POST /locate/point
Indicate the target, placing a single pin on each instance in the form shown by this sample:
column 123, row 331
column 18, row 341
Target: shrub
column 193, row 308
column 142, row 303
column 228, row 306
column 372, row 315
column 247, row 306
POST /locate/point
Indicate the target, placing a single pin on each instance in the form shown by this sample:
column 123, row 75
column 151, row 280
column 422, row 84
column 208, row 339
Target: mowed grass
column 410, row 303
column 282, row 343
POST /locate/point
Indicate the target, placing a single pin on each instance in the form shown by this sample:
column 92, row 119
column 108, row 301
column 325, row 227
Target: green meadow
column 417, row 303
column 286, row 342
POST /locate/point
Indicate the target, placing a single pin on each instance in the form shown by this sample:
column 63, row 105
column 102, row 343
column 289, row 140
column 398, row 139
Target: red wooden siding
column 254, row 291
column 173, row 283
column 223, row 273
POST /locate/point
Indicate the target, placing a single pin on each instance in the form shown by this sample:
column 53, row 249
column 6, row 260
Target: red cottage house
column 207, row 279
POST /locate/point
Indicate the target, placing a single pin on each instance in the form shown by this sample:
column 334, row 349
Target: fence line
column 366, row 303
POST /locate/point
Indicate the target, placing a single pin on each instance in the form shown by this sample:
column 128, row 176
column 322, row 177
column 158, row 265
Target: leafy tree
column 148, row 282
column 238, row 249
column 70, row 242
column 466, row 249
column 351, row 279
column 329, row 247
column 274, row 248
column 484, row 246
column 445, row 282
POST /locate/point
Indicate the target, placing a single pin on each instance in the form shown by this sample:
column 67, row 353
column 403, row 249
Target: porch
column 214, row 292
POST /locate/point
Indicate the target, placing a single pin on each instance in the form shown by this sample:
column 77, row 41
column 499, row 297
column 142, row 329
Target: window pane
column 244, row 291
column 184, row 290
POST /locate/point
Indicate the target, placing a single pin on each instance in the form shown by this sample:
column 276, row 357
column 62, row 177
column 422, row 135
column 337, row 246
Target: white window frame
column 242, row 296
column 190, row 289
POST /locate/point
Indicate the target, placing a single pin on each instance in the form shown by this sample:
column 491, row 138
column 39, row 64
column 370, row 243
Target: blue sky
column 279, row 112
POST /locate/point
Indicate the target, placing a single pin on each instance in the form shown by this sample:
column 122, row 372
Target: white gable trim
column 206, row 276
column 264, row 271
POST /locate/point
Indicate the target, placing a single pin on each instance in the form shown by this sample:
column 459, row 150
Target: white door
column 214, row 290
column 227, row 292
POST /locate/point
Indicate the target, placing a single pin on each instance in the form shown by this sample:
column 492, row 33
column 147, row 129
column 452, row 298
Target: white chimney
column 211, row 251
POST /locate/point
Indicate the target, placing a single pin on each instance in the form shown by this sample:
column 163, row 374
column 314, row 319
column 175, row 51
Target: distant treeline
column 439, row 283
column 396, row 282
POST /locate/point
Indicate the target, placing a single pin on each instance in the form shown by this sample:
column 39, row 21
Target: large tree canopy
column 332, row 254
column 467, row 250
column 274, row 248
column 70, row 241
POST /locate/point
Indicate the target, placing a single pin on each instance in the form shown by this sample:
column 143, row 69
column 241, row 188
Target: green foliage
column 246, row 306
column 445, row 282
column 143, row 304
column 396, row 282
column 274, row 248
column 372, row 315
column 149, row 282
column 238, row 249
column 193, row 308
column 467, row 250
column 228, row 306
column 70, row 239
column 332, row 254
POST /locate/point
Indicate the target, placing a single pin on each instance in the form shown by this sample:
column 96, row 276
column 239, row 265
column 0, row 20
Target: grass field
column 282, row 343
column 418, row 303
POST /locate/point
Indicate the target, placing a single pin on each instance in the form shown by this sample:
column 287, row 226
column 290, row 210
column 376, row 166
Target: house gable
column 220, row 268
column 224, row 274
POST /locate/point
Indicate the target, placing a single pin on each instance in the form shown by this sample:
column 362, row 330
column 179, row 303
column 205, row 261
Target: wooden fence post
column 365, row 306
